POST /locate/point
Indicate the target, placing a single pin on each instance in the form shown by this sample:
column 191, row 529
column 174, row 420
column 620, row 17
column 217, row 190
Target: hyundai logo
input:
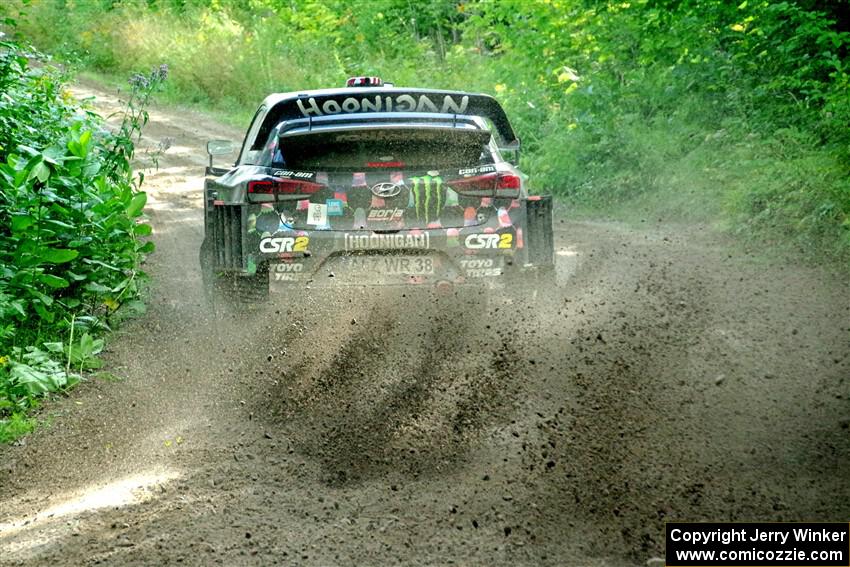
column 385, row 190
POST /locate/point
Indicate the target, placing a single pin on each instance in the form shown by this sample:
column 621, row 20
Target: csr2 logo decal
column 272, row 245
column 489, row 241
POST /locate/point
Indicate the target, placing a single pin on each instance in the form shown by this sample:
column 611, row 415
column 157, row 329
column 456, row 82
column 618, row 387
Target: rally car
column 373, row 185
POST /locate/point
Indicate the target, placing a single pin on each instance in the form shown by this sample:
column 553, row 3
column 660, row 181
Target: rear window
column 403, row 148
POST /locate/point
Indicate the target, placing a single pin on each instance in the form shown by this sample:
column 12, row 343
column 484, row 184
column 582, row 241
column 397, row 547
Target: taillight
column 283, row 187
column 499, row 185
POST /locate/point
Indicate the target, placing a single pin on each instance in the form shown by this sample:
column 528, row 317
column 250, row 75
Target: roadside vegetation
column 733, row 114
column 71, row 238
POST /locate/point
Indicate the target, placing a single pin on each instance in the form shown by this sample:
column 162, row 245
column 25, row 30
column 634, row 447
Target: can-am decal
column 481, row 241
column 477, row 170
column 387, row 103
column 275, row 244
column 293, row 174
column 383, row 241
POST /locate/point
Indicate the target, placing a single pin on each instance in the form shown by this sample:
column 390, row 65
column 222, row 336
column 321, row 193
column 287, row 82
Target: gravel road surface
column 674, row 375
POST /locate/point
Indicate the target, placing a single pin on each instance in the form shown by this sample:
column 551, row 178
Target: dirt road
column 675, row 377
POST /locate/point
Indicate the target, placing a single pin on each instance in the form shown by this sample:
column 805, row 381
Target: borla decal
column 384, row 241
column 378, row 103
column 273, row 245
column 385, row 215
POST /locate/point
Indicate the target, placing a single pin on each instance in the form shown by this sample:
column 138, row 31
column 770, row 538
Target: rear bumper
column 484, row 255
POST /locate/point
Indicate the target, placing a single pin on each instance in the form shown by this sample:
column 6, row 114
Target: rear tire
column 207, row 270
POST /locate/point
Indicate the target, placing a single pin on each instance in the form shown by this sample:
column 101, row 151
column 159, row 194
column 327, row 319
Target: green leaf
column 43, row 298
column 83, row 354
column 86, row 342
column 40, row 171
column 91, row 169
column 85, row 139
column 80, row 148
column 57, row 255
column 55, row 347
column 96, row 287
column 32, row 152
column 99, row 263
column 54, row 155
column 53, row 281
column 43, row 312
column 34, row 381
column 60, row 224
column 137, row 203
column 121, row 285
column 147, row 248
column 142, row 229
column 21, row 222
column 75, row 148
column 18, row 306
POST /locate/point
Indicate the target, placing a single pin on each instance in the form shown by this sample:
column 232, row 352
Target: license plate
column 392, row 265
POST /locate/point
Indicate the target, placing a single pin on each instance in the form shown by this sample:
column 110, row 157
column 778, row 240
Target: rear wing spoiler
column 379, row 120
column 364, row 101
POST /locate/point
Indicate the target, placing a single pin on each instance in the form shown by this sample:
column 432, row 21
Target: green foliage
column 17, row 425
column 70, row 222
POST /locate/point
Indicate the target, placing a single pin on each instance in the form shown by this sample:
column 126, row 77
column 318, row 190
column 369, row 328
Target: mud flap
column 228, row 233
column 540, row 241
column 228, row 281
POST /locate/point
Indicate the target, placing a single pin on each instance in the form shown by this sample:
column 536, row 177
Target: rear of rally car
column 419, row 197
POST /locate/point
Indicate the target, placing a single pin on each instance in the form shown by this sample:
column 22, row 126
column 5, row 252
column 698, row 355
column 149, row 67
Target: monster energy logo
column 422, row 197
